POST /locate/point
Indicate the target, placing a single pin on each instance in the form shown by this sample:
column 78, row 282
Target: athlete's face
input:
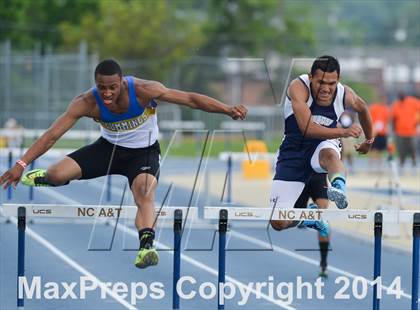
column 324, row 85
column 109, row 87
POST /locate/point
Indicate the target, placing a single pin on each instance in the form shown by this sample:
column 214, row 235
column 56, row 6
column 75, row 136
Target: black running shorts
column 100, row 158
column 315, row 188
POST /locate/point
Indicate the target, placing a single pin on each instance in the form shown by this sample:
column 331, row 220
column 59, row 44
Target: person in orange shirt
column 405, row 119
column 381, row 116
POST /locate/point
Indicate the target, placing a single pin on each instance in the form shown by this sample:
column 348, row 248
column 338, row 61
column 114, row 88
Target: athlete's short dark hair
column 326, row 63
column 108, row 67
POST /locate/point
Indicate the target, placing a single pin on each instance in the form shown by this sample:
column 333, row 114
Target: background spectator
column 381, row 116
column 405, row 119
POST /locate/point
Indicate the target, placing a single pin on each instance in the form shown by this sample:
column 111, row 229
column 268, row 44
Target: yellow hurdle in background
column 256, row 168
column 3, row 142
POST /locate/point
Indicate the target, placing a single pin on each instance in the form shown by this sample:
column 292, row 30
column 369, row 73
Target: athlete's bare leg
column 330, row 161
column 143, row 188
column 64, row 171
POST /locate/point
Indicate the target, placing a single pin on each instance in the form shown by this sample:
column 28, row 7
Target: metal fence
column 36, row 87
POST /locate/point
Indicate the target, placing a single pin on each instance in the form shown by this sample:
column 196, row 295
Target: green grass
column 186, row 147
column 190, row 147
column 62, row 143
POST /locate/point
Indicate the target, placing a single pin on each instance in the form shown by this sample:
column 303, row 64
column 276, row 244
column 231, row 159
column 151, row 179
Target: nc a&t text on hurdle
column 293, row 215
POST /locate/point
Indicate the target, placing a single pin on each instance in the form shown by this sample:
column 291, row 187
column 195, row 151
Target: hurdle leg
column 21, row 252
column 223, row 219
column 415, row 272
column 377, row 258
column 229, row 180
column 177, row 257
column 10, row 164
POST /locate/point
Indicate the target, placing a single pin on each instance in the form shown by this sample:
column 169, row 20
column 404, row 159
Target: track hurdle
column 223, row 221
column 377, row 258
column 415, row 270
column 177, row 256
column 22, row 211
column 378, row 217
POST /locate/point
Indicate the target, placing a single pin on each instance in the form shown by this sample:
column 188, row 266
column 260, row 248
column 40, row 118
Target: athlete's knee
column 141, row 196
column 322, row 203
column 142, row 200
column 144, row 185
column 143, row 193
column 56, row 175
column 279, row 225
column 327, row 157
column 63, row 172
column 141, row 190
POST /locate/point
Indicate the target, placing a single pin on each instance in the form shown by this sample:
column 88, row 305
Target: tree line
column 165, row 32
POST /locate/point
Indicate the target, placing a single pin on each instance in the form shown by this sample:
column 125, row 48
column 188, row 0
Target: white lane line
column 75, row 265
column 244, row 237
column 184, row 257
column 212, row 271
column 276, row 249
column 305, row 259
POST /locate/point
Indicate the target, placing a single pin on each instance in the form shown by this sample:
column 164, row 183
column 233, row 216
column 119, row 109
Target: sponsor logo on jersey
column 129, row 124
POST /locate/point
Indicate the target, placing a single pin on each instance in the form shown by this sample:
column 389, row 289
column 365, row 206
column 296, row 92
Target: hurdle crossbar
column 93, row 211
column 378, row 217
column 349, row 215
column 22, row 211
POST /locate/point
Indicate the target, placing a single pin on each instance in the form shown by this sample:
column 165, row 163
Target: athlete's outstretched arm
column 298, row 94
column 76, row 110
column 359, row 105
column 156, row 90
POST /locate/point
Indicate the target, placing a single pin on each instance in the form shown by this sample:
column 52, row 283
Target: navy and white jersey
column 136, row 128
column 293, row 161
